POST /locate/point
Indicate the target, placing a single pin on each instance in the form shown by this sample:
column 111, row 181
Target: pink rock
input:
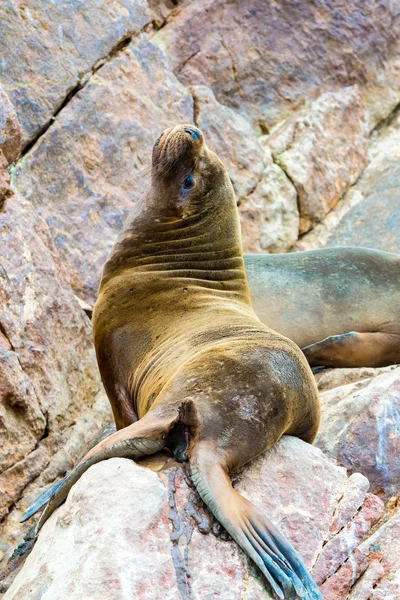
column 126, row 532
column 339, row 548
column 386, row 540
column 360, row 428
column 50, row 400
column 364, row 587
column 267, row 59
column 58, row 44
column 337, row 586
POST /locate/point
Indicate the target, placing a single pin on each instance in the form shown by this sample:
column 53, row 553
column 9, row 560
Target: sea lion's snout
column 180, row 143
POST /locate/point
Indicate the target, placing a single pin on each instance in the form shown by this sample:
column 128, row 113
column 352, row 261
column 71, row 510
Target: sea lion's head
column 186, row 175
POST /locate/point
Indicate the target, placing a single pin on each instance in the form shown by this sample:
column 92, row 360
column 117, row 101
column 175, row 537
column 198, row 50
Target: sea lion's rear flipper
column 355, row 349
column 251, row 529
column 146, row 436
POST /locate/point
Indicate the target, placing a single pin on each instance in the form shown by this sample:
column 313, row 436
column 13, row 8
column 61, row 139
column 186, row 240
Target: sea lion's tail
column 251, row 529
column 139, row 439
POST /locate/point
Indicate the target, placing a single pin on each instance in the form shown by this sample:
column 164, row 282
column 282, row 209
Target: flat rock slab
column 47, row 49
column 128, row 532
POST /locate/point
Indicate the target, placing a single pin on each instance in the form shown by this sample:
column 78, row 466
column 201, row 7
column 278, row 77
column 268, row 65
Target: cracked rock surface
column 300, row 100
column 145, row 542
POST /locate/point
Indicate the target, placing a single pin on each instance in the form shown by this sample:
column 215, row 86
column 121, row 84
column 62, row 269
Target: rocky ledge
column 132, row 530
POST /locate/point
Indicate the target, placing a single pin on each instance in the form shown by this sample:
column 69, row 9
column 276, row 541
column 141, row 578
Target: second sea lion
column 340, row 305
column 186, row 363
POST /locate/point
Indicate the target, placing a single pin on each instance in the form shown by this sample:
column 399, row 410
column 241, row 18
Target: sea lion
column 340, row 305
column 186, row 363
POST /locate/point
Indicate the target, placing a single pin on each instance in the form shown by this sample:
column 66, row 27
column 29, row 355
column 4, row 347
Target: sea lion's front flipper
column 355, row 349
column 146, row 436
column 250, row 528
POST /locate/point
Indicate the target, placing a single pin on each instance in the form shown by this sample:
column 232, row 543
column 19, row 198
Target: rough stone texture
column 319, row 235
column 153, row 516
column 230, row 135
column 360, row 428
column 375, row 222
column 270, row 217
column 335, row 378
column 385, row 541
column 10, row 129
column 48, row 373
column 58, row 44
column 266, row 197
column 323, row 151
column 5, row 189
column 87, row 170
column 268, row 58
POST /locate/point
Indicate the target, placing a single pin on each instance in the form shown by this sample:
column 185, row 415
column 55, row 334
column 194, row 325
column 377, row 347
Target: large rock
column 270, row 216
column 269, row 58
column 49, row 383
column 141, row 540
column 230, row 135
column 323, row 150
column 360, row 428
column 86, row 172
column 48, row 48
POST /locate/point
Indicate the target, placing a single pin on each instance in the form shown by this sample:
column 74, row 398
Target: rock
column 363, row 589
column 383, row 583
column 360, row 428
column 375, row 221
column 165, row 9
column 319, row 235
column 10, row 129
column 368, row 215
column 267, row 199
column 268, row 59
column 323, row 151
column 231, row 136
column 161, row 545
column 86, row 172
column 339, row 548
column 270, row 217
column 5, row 189
column 58, row 45
column 48, row 375
column 361, row 376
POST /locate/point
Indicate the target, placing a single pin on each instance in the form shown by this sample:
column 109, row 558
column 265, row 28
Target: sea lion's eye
column 187, row 182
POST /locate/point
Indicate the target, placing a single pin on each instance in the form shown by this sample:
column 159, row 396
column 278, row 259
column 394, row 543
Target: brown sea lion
column 186, row 363
column 340, row 305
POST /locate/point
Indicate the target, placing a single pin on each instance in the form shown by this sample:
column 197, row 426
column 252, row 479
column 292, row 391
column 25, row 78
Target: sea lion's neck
column 205, row 246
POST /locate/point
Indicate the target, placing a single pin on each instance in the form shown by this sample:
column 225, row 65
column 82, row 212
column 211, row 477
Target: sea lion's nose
column 194, row 133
